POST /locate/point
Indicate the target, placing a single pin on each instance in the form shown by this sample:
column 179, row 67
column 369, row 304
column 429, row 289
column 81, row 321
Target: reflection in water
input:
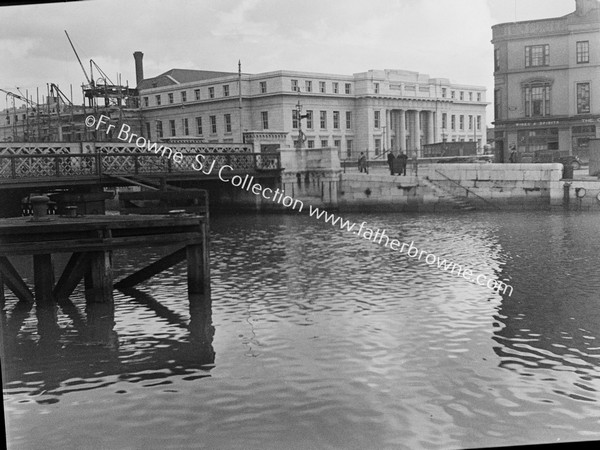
column 88, row 346
column 553, row 323
column 322, row 339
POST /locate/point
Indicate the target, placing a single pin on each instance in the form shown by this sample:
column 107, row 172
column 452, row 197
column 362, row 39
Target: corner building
column 547, row 84
column 369, row 112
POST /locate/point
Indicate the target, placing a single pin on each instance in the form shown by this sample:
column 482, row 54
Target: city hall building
column 370, row 112
column 547, row 84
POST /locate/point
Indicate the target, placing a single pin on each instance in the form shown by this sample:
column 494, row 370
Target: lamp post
column 301, row 136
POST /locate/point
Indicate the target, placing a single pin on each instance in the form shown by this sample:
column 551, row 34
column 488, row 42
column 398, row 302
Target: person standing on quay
column 390, row 161
column 403, row 162
column 362, row 163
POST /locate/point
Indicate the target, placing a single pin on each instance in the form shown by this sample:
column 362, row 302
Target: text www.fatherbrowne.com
column 277, row 196
column 380, row 237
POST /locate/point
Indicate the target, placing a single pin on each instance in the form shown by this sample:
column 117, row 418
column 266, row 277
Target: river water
column 320, row 339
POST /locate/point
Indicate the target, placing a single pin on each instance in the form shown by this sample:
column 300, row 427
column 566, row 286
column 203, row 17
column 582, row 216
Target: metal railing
column 53, row 166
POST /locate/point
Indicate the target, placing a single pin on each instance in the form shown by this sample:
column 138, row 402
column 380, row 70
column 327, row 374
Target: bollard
column 39, row 204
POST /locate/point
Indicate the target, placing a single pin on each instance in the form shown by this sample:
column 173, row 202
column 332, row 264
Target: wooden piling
column 91, row 240
column 43, row 276
column 99, row 278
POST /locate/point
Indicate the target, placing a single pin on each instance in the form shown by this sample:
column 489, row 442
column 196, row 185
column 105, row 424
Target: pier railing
column 60, row 165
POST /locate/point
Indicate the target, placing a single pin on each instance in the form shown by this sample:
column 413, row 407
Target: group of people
column 397, row 164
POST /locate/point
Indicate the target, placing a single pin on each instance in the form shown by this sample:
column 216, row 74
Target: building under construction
column 54, row 117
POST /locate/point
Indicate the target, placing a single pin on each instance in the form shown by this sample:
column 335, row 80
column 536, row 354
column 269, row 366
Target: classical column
column 417, row 131
column 430, row 130
column 402, row 130
column 388, row 129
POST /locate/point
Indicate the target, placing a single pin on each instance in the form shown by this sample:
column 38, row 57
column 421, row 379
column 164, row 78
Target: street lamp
column 301, row 135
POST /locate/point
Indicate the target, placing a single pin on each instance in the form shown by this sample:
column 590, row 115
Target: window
column 197, row 94
column 158, row 100
column 461, row 122
column 309, row 119
column 146, row 102
column 537, row 55
column 186, row 128
column 348, row 88
column 443, row 92
column 295, row 87
column 337, row 144
column 444, row 120
column 211, row 92
column 470, row 122
column 263, row 87
column 497, row 104
column 462, row 95
column 583, row 98
column 295, row 119
column 310, row 143
column 227, row 123
column 453, row 122
column 159, row 129
column 226, row 90
column 172, row 127
column 183, row 96
column 537, row 100
column 265, row 119
column 213, row 124
column 348, row 120
column 583, row 52
column 323, row 119
column 496, row 59
column 452, row 94
column 308, row 86
column 335, row 87
column 336, row 120
column 376, row 119
column 478, row 122
column 148, row 130
column 376, row 87
column 324, row 143
column 479, row 96
column 470, row 96
column 349, row 148
column 171, row 100
column 322, row 89
column 199, row 125
column 377, row 146
column 537, row 139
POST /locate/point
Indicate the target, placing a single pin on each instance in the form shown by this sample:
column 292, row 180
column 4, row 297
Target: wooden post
column 43, row 275
column 13, row 280
column 198, row 262
column 99, row 278
column 152, row 269
column 45, row 309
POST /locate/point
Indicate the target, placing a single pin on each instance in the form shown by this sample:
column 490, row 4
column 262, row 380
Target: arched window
column 536, row 95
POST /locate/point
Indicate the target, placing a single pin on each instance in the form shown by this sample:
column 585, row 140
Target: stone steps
column 461, row 203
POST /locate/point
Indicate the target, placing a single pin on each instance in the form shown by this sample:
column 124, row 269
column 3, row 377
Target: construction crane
column 89, row 80
column 20, row 97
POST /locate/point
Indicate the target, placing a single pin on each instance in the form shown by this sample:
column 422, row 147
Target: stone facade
column 372, row 111
column 547, row 85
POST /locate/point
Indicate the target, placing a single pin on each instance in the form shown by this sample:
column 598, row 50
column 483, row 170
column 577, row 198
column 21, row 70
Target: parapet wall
column 501, row 185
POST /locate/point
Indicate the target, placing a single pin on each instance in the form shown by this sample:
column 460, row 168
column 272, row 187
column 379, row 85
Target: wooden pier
column 91, row 240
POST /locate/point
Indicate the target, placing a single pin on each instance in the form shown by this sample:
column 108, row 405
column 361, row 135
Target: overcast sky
column 442, row 38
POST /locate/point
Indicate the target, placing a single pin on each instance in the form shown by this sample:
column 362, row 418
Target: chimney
column 139, row 67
